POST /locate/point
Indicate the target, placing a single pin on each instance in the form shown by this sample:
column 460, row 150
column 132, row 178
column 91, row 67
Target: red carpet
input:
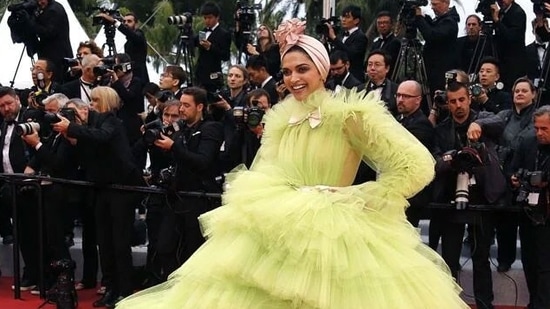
column 29, row 301
column 85, row 298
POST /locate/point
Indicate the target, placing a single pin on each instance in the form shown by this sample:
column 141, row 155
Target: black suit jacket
column 387, row 95
column 510, row 43
column 56, row 157
column 18, row 152
column 271, row 88
column 52, row 27
column 209, row 61
column 131, row 105
column 348, row 83
column 391, row 45
column 195, row 151
column 103, row 150
column 136, row 48
column 466, row 52
column 356, row 47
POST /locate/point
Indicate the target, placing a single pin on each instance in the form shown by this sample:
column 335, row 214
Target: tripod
column 245, row 40
column 479, row 51
column 110, row 32
column 540, row 82
column 12, row 81
column 410, row 64
column 185, row 49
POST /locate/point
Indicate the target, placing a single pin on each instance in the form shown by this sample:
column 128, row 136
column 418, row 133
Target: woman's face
column 300, row 75
column 263, row 32
column 523, row 95
column 235, row 78
column 95, row 103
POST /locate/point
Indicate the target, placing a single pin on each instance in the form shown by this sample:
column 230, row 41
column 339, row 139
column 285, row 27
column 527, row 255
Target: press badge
column 533, row 198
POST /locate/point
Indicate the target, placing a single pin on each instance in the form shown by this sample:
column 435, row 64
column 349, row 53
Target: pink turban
column 291, row 33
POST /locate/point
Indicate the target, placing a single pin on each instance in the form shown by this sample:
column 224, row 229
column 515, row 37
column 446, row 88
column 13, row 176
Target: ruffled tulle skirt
column 275, row 245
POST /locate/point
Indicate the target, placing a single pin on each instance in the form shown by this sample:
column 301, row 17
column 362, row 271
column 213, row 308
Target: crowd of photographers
column 485, row 130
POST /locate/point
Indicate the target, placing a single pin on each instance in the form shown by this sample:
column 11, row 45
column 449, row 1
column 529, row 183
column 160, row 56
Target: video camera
column 27, row 5
column 484, row 8
column 539, row 9
column 181, row 20
column 22, row 14
column 111, row 11
column 322, row 29
column 407, row 15
column 154, row 128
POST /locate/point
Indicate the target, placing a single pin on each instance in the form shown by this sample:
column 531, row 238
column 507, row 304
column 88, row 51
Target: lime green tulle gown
column 294, row 233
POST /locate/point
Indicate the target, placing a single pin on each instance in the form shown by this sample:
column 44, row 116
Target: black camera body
column 63, row 294
column 539, row 9
column 322, row 28
column 464, row 162
column 166, row 177
column 68, row 113
column 407, row 15
column 164, row 96
column 103, row 69
column 154, row 129
column 71, row 62
column 113, row 12
column 251, row 116
column 530, row 182
column 246, row 16
column 484, row 8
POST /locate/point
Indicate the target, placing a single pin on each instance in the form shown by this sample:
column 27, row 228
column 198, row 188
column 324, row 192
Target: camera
column 63, row 293
column 440, row 97
column 68, row 113
column 28, row 5
column 464, row 161
column 27, row 128
column 166, row 176
column 103, row 69
column 111, row 11
column 539, row 9
column 530, row 182
column 407, row 15
column 484, row 8
column 71, row 62
column 164, row 95
column 217, row 96
column 246, row 16
column 180, row 20
column 322, row 28
column 153, row 130
column 251, row 116
column 476, row 90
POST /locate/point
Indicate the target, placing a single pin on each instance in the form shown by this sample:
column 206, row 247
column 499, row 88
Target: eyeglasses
column 405, row 96
column 376, row 65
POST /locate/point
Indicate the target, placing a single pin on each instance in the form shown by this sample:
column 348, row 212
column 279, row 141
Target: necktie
column 540, row 45
column 346, row 33
column 208, row 29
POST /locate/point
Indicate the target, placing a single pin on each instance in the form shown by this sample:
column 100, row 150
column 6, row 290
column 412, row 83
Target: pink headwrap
column 291, row 33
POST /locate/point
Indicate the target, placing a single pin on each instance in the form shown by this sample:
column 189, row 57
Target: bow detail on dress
column 314, row 118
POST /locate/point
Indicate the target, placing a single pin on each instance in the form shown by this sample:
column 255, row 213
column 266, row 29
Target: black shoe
column 109, row 298
column 112, row 305
column 7, row 240
column 503, row 267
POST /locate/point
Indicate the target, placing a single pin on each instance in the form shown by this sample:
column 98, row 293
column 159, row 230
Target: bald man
column 408, row 98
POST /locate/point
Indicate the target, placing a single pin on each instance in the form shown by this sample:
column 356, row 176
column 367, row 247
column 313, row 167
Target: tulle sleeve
column 404, row 166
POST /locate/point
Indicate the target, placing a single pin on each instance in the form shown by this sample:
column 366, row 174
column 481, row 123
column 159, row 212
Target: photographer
column 470, row 47
column 162, row 233
column 75, row 65
column 128, row 86
column 172, row 79
column 440, row 109
column 55, row 157
column 339, row 76
column 440, row 36
column 51, row 25
column 259, row 77
column 461, row 141
column 537, row 62
column 267, row 48
column 533, row 156
column 195, row 150
column 519, row 126
column 237, row 82
column 42, row 73
column 353, row 41
column 510, row 28
column 490, row 97
column 82, row 87
column 386, row 39
column 105, row 156
column 136, row 44
column 249, row 127
column 377, row 67
column 213, row 49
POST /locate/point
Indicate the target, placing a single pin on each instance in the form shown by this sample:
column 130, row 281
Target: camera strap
column 85, row 91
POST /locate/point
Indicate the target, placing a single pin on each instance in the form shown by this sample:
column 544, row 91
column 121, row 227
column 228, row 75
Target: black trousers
column 6, row 227
column 115, row 214
column 481, row 231
column 535, row 257
column 506, row 228
column 179, row 235
column 90, row 252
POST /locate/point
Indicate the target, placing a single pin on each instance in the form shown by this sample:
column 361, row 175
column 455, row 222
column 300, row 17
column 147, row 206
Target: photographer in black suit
column 340, row 75
column 510, row 28
column 409, row 98
column 259, row 77
column 82, row 87
column 377, row 67
column 386, row 40
column 136, row 44
column 195, row 151
column 353, row 40
column 52, row 28
column 104, row 154
column 440, row 35
column 472, row 135
column 213, row 49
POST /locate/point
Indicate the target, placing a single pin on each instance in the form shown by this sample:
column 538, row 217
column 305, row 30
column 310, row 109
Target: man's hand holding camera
column 106, row 17
column 31, row 139
column 164, row 142
column 482, row 98
column 495, row 10
column 331, row 33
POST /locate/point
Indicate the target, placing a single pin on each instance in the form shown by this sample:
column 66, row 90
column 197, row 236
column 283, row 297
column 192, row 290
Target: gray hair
column 90, row 61
column 59, row 97
column 78, row 103
column 541, row 111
